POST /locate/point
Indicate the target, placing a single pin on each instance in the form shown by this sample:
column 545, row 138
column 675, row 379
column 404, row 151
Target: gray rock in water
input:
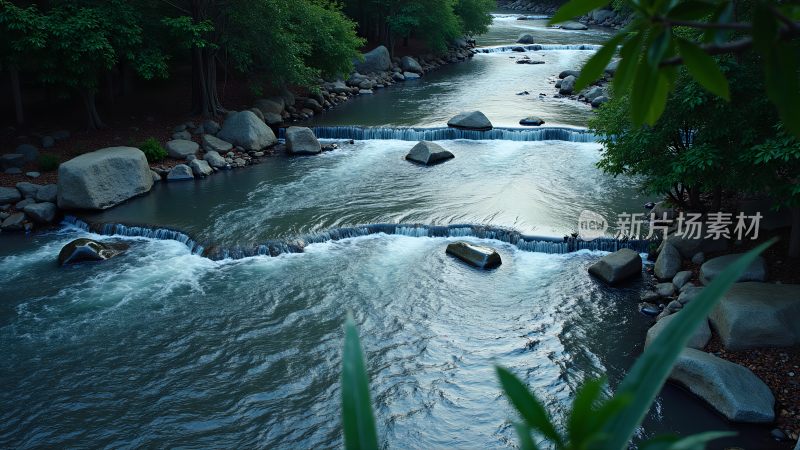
column 611, row 68
column 757, row 271
column 409, row 64
column 47, row 193
column 569, row 73
column 14, row 222
column 201, row 168
column 475, row 255
column 245, row 129
column 182, row 149
column 473, row 120
column 618, row 266
column 593, row 93
column 689, row 293
column 729, row 388
column 598, row 102
column 665, row 290
column 649, row 309
column 28, row 152
column 104, row 178
column 681, row 278
column 397, row 76
column 668, row 263
column 41, row 212
column 12, row 161
column 573, row 26
column 180, row 172
column 87, row 250
column 428, row 153
column 215, row 160
column 567, row 85
column 525, row 38
column 27, row 189
column 752, row 315
column 9, row 195
column 699, row 338
column 377, row 60
column 531, row 121
column 301, row 141
column 212, row 143
column 410, row 75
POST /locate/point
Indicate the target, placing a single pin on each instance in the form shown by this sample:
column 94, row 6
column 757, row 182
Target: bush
column 153, row 150
column 48, row 163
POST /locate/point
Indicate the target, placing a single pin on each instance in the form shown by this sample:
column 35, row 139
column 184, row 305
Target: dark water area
column 162, row 347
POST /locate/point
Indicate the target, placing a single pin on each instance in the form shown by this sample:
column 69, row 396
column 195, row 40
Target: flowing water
column 221, row 326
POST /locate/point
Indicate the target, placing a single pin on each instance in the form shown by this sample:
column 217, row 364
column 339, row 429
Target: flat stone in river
column 473, row 120
column 475, row 255
column 618, row 266
column 428, row 153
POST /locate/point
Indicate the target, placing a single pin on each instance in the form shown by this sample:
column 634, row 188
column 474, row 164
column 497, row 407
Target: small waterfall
column 448, row 134
column 117, row 229
column 538, row 47
column 275, row 247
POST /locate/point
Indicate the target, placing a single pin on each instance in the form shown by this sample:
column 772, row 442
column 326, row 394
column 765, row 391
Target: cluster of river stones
column 753, row 314
column 600, row 17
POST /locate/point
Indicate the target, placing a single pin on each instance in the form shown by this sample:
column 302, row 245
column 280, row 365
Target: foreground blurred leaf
column 703, row 68
column 651, row 370
column 576, row 8
column 594, row 68
column 528, row 406
column 357, row 419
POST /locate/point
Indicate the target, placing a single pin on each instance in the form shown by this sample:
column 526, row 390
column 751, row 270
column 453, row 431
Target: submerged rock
column 83, row 250
column 428, row 153
column 104, row 178
column 301, row 141
column 729, row 388
column 752, row 315
column 618, row 266
column 473, row 120
column 475, row 255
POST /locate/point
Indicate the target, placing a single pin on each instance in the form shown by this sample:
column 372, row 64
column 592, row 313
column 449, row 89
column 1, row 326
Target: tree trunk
column 205, row 99
column 93, row 117
column 16, row 93
column 694, row 199
column 794, row 237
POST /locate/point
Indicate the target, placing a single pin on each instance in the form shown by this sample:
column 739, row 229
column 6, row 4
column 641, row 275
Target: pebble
column 33, row 174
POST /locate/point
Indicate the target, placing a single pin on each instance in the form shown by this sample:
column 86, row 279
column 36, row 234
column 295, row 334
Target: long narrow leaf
column 357, row 418
column 525, row 439
column 703, row 68
column 528, row 406
column 594, row 68
column 651, row 370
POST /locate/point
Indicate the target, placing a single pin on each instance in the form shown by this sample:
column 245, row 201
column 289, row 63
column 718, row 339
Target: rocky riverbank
column 599, row 17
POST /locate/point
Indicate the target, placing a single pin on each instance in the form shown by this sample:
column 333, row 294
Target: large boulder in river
column 526, row 38
column 567, row 85
column 618, row 266
column 83, row 250
column 729, row 388
column 428, row 153
column 409, row 64
column 757, row 271
column 475, row 255
column 377, row 60
column 103, row 178
column 752, row 315
column 301, row 141
column 246, row 130
column 473, row 120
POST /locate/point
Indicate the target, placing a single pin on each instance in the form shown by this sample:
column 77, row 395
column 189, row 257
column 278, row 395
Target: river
column 163, row 348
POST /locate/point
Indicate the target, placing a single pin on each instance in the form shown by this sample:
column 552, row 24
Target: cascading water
column 538, row 47
column 447, row 134
column 538, row 244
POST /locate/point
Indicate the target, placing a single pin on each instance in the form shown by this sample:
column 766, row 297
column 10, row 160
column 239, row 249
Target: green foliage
column 655, row 42
column 48, row 163
column 594, row 421
column 153, row 150
column 474, row 15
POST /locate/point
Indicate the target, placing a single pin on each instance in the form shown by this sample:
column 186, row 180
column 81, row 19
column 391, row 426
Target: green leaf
column 693, row 442
column 528, row 406
column 627, row 65
column 691, row 10
column 594, row 68
column 651, row 370
column 703, row 68
column 525, row 439
column 357, row 418
column 579, row 423
column 576, row 8
column 658, row 48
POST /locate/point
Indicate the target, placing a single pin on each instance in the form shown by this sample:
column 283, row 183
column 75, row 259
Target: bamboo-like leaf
column 579, row 423
column 703, row 68
column 594, row 68
column 627, row 66
column 528, row 406
column 651, row 370
column 576, row 8
column 525, row 439
column 357, row 418
column 659, row 99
